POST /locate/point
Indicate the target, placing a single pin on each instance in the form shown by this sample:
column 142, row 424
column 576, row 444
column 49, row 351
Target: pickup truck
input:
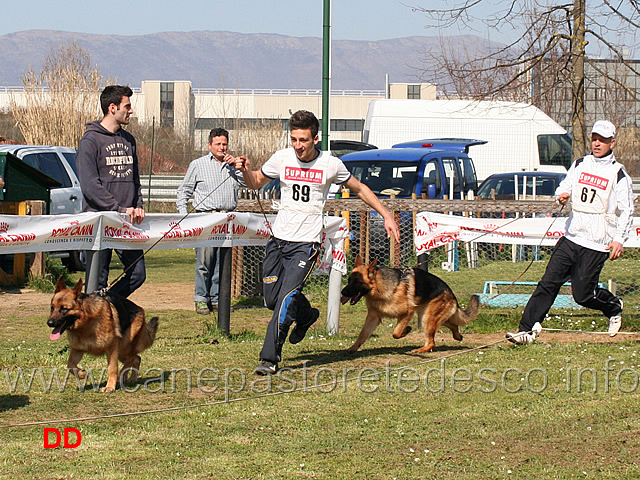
column 60, row 164
column 431, row 168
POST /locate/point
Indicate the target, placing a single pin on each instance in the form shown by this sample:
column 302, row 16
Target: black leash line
column 488, row 232
column 190, row 210
column 304, row 388
column 530, row 261
column 466, row 242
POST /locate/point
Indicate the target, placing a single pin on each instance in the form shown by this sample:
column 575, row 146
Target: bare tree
column 259, row 140
column 256, row 139
column 173, row 149
column 60, row 100
column 546, row 61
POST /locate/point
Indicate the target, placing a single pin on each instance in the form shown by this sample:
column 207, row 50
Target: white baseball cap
column 604, row 128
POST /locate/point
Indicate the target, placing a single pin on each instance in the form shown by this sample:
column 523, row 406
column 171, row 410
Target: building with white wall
column 194, row 112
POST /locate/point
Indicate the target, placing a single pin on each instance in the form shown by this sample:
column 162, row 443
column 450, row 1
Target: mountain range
column 214, row 59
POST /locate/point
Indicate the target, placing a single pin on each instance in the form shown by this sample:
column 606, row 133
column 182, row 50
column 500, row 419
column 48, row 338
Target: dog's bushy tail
column 469, row 314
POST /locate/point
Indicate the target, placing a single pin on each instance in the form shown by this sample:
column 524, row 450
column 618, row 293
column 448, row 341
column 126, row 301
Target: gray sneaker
column 524, row 338
column 615, row 322
column 202, row 308
column 265, row 367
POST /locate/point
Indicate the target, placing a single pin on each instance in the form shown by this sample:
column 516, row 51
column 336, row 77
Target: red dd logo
column 59, row 437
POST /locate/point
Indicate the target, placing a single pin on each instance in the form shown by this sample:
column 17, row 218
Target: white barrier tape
column 102, row 230
column 435, row 230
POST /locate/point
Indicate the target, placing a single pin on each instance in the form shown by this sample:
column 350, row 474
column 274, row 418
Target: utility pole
column 335, row 277
column 578, row 47
column 326, row 74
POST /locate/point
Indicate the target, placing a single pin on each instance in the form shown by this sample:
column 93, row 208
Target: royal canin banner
column 333, row 255
column 433, row 230
column 102, row 230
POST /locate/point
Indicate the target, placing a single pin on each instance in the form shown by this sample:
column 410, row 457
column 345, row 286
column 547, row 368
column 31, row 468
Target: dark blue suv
column 431, row 168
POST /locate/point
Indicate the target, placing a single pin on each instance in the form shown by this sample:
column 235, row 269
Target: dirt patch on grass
column 473, row 340
column 179, row 296
column 165, row 296
column 151, row 296
column 546, row 336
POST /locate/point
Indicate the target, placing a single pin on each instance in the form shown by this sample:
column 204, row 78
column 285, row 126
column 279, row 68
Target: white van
column 519, row 136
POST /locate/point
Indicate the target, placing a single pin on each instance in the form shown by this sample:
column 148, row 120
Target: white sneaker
column 615, row 322
column 523, row 338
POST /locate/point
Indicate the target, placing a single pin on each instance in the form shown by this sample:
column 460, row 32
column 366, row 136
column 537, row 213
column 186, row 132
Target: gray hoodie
column 108, row 170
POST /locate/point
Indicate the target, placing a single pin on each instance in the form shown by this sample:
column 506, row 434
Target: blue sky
column 352, row 19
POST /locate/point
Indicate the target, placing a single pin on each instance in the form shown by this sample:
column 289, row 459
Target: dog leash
column 494, row 230
column 466, row 242
column 530, row 261
column 103, row 291
column 304, row 388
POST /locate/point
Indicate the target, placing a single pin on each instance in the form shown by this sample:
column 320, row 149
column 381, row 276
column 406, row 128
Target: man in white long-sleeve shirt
column 602, row 208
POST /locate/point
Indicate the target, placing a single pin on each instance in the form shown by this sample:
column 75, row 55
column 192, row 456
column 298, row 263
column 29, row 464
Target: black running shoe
column 265, row 367
column 299, row 331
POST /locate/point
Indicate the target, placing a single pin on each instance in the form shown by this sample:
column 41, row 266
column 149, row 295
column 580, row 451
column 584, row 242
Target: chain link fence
column 468, row 267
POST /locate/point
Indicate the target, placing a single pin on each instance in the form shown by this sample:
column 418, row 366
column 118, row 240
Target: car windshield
column 505, row 186
column 555, row 150
column 385, row 177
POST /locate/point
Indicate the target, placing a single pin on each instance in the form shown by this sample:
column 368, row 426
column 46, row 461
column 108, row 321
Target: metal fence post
column 333, row 302
column 92, row 271
column 423, row 264
column 224, row 293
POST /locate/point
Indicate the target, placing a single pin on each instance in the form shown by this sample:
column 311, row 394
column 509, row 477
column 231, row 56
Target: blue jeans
column 207, row 275
column 134, row 271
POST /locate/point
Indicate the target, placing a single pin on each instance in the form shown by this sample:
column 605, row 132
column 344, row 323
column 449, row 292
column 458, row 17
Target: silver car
column 60, row 164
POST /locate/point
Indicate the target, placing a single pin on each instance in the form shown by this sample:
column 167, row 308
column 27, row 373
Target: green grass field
column 563, row 408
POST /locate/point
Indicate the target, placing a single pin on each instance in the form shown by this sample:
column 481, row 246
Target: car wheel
column 76, row 261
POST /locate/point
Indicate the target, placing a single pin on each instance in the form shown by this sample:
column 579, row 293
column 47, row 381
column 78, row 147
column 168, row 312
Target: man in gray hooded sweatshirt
column 110, row 179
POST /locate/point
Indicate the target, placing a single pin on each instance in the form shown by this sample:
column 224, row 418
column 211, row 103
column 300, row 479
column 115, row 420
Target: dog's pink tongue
column 54, row 336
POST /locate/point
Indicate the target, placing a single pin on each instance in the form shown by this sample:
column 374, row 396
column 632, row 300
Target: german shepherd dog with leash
column 101, row 325
column 398, row 293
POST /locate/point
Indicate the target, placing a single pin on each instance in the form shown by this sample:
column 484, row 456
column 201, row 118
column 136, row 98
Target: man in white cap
column 602, row 208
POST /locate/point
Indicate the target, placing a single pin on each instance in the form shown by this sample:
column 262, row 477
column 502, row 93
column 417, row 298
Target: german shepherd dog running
column 101, row 325
column 397, row 293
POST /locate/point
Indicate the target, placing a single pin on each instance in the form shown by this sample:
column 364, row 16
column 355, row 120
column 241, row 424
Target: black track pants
column 581, row 265
column 286, row 267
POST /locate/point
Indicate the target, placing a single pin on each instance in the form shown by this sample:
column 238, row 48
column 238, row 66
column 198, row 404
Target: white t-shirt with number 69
column 304, row 187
